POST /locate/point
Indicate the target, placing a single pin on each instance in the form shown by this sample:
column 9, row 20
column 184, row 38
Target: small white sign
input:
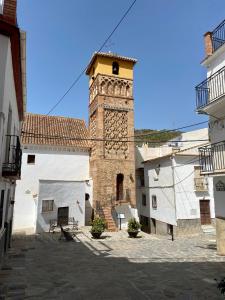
column 120, row 216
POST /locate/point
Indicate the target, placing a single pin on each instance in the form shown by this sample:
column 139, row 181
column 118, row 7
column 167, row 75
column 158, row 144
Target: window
column 1, row 207
column 30, row 159
column 144, row 201
column 154, row 202
column 115, row 68
column 142, row 177
column 47, row 205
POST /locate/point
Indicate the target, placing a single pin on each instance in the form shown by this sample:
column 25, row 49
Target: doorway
column 119, row 187
column 63, row 216
column 205, row 212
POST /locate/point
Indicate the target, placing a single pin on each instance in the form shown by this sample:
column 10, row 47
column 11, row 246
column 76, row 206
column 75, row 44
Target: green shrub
column 98, row 225
column 133, row 225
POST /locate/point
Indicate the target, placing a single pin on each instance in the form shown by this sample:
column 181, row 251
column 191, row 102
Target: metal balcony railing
column 210, row 89
column 12, row 164
column 212, row 158
column 218, row 36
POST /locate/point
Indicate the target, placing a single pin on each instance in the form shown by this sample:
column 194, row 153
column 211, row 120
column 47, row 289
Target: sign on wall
column 220, row 186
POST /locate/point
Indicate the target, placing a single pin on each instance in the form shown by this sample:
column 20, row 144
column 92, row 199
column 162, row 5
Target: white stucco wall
column 7, row 101
column 178, row 201
column 187, row 199
column 50, row 164
column 7, row 95
column 162, row 187
column 65, row 194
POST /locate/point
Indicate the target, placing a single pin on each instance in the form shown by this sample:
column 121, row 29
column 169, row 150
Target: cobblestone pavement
column 115, row 267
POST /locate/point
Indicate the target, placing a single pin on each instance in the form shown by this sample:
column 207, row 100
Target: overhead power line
column 125, row 139
column 101, row 47
column 171, row 130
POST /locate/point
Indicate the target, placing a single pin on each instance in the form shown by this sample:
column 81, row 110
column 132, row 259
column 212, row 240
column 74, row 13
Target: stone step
column 209, row 229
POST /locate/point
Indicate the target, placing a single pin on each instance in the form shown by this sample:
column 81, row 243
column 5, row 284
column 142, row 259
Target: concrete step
column 209, row 229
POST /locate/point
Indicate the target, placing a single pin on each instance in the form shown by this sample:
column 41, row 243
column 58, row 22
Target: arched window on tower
column 119, row 186
column 115, row 68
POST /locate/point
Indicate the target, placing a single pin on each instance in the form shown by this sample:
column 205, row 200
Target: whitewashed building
column 55, row 174
column 211, row 101
column 171, row 194
column 12, row 107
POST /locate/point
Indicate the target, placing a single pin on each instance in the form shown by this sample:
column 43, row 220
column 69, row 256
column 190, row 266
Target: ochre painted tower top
column 109, row 64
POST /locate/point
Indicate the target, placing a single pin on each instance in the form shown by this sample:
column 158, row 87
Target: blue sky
column 166, row 36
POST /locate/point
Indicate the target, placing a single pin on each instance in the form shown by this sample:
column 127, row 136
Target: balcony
column 212, row 158
column 200, row 184
column 210, row 90
column 11, row 167
column 218, row 36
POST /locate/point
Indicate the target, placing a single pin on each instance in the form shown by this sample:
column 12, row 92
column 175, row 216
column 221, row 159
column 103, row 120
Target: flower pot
column 96, row 235
column 133, row 234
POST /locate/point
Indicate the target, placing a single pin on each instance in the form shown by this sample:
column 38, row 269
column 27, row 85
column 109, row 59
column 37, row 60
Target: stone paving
column 114, row 267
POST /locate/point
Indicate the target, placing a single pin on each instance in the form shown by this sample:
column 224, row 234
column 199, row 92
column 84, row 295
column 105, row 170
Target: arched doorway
column 119, row 186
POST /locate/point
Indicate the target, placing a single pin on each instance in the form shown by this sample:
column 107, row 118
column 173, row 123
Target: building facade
column 172, row 196
column 12, row 107
column 111, row 126
column 211, row 101
column 55, row 180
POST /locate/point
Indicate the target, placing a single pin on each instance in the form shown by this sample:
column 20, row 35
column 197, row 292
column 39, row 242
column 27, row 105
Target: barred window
column 154, row 202
column 47, row 205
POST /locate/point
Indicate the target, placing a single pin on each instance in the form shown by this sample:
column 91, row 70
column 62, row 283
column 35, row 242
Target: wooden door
column 205, row 212
column 63, row 215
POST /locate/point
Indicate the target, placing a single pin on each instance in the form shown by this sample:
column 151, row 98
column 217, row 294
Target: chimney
column 9, row 11
column 208, row 43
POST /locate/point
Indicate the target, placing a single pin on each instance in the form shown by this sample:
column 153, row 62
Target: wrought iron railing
column 218, row 36
column 12, row 164
column 210, row 89
column 212, row 158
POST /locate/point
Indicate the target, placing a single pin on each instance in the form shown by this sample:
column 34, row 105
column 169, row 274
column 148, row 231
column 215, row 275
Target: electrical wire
column 172, row 130
column 84, row 69
column 122, row 140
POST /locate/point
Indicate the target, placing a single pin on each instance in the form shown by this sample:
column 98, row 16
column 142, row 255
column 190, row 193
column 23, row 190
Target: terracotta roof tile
column 56, row 131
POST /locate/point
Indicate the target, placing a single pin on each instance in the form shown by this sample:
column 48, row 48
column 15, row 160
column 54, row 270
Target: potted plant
column 98, row 227
column 133, row 227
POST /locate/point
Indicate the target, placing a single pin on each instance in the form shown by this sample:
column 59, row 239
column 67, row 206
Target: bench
column 70, row 223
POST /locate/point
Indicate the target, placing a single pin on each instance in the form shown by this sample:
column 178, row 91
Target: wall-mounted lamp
column 78, row 202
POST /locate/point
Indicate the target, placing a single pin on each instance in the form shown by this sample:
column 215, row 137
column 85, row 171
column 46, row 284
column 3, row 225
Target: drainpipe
column 174, row 192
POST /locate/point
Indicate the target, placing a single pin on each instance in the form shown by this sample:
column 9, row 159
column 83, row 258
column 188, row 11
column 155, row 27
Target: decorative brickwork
column 93, row 134
column 111, row 86
column 116, row 128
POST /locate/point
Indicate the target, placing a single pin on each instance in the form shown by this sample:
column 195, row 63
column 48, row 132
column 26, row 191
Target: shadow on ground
column 44, row 268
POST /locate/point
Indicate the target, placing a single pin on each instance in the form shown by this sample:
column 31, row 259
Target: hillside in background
column 154, row 137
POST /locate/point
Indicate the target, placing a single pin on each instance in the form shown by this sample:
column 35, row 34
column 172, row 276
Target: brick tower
column 111, row 122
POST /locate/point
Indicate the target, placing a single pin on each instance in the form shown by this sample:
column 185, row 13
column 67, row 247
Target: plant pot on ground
column 133, row 227
column 98, row 227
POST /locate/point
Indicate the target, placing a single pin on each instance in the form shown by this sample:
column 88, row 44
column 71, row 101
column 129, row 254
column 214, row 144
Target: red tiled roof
column 53, row 130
